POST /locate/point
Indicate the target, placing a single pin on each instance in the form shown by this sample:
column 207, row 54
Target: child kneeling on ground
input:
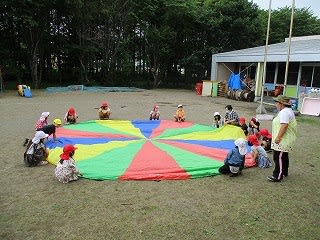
column 234, row 161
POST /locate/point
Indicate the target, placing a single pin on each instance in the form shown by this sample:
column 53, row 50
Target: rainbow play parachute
column 146, row 150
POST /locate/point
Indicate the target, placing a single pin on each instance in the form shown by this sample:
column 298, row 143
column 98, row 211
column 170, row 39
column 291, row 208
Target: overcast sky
column 313, row 4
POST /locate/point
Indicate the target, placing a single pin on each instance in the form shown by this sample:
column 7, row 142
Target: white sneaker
column 43, row 163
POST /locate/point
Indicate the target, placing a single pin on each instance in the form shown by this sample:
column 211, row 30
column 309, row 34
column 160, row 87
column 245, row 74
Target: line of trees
column 147, row 43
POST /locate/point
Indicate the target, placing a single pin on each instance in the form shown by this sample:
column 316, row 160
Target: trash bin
column 206, row 88
column 214, row 89
column 198, row 88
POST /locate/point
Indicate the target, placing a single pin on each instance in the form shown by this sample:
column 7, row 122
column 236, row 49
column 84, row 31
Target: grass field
column 34, row 205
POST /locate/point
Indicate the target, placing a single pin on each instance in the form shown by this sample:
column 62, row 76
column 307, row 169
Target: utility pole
column 261, row 109
column 289, row 48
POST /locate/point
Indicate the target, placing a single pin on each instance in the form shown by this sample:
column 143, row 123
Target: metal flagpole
column 289, row 48
column 261, row 109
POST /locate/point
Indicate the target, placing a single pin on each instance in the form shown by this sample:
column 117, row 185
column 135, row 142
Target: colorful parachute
column 146, row 150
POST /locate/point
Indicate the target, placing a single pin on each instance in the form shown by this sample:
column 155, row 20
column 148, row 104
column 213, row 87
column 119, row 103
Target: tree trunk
column 84, row 73
column 34, row 66
column 156, row 76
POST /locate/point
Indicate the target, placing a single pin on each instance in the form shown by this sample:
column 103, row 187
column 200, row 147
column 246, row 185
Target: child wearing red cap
column 155, row 113
column 258, row 153
column 70, row 116
column 266, row 139
column 104, row 111
column 66, row 169
column 243, row 125
column 253, row 126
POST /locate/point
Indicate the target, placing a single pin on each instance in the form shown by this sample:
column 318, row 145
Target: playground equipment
column 24, row 91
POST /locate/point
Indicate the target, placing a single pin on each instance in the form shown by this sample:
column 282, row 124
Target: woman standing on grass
column 284, row 134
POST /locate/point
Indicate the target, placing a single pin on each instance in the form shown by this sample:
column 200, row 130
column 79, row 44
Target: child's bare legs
column 154, row 116
column 104, row 116
column 178, row 119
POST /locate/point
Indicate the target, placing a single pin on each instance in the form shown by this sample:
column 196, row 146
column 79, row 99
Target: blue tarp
column 234, row 82
column 92, row 89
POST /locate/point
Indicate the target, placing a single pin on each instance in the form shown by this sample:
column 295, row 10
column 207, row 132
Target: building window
column 316, row 77
column 293, row 72
column 306, row 76
column 281, row 73
column 310, row 76
column 271, row 69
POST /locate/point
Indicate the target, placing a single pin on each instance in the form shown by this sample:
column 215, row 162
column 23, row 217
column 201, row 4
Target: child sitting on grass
column 266, row 139
column 155, row 113
column 254, row 126
column 243, row 125
column 66, row 169
column 234, row 161
column 104, row 111
column 180, row 115
column 258, row 153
